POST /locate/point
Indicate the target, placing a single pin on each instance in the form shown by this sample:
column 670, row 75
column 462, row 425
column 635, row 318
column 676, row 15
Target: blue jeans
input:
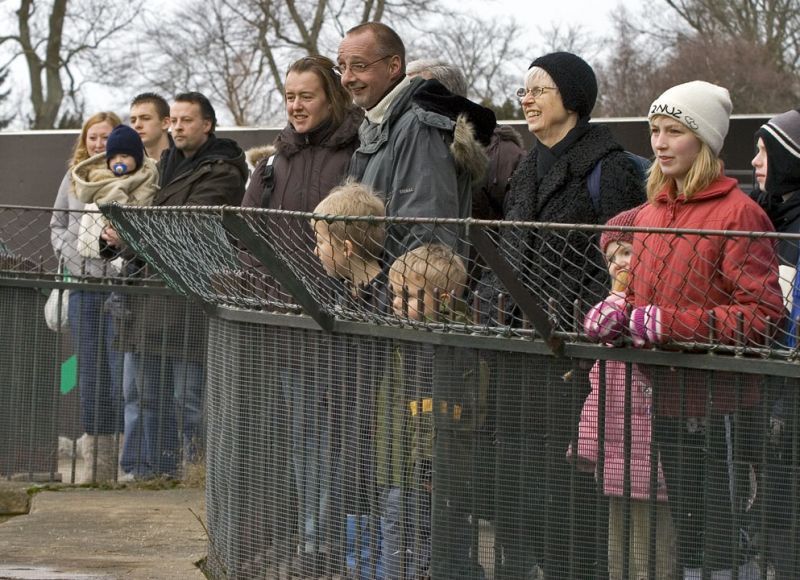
column 413, row 554
column 133, row 458
column 315, row 465
column 189, row 388
column 161, row 383
column 99, row 365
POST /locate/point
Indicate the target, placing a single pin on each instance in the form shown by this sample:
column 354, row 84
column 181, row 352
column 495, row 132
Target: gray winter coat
column 424, row 164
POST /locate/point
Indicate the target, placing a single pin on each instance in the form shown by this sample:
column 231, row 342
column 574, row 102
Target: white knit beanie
column 701, row 106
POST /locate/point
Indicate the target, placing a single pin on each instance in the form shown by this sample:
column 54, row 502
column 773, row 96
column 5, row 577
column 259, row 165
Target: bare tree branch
column 69, row 34
column 242, row 48
column 733, row 54
column 772, row 24
column 485, row 51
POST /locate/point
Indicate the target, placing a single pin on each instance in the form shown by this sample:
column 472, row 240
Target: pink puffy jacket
column 613, row 472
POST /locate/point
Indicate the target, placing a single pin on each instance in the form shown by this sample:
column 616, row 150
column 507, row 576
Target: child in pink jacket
column 617, row 247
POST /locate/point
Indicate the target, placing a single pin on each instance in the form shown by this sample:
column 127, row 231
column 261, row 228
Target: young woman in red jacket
column 694, row 288
column 689, row 289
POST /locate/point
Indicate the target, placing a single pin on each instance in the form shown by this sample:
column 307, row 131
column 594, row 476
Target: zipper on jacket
column 673, row 206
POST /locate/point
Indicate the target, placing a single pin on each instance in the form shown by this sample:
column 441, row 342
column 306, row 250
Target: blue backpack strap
column 640, row 164
column 593, row 184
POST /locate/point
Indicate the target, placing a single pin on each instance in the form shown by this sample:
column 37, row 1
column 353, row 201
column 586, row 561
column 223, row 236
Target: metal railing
column 353, row 431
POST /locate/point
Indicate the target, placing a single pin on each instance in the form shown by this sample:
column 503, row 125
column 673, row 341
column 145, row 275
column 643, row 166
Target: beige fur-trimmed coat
column 95, row 185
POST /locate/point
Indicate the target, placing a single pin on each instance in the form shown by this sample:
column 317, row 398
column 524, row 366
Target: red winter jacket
column 690, row 276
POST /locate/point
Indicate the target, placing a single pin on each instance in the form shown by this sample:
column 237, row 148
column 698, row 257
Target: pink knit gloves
column 608, row 320
column 645, row 325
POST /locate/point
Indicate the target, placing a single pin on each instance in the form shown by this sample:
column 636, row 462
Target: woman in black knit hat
column 576, row 173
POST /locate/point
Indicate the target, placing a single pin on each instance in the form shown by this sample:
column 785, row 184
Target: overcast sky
column 592, row 15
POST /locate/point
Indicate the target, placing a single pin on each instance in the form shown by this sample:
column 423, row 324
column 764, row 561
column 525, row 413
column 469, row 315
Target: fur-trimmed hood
column 307, row 166
column 95, row 183
column 289, row 142
column 474, row 125
column 257, row 154
column 433, row 96
column 469, row 154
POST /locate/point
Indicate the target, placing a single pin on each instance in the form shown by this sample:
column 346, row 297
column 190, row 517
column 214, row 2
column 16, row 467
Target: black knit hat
column 781, row 136
column 125, row 140
column 574, row 78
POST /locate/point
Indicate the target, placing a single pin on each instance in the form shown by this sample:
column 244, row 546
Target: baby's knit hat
column 625, row 218
column 702, row 107
column 781, row 136
column 125, row 140
column 574, row 78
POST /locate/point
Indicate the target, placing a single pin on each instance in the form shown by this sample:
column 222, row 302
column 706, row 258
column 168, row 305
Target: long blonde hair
column 706, row 168
column 80, row 151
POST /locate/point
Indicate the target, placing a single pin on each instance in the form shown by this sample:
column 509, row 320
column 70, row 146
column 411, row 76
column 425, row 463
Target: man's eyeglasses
column 357, row 67
column 535, row 92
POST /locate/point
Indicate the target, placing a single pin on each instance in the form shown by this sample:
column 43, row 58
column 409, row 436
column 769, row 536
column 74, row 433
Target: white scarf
column 376, row 113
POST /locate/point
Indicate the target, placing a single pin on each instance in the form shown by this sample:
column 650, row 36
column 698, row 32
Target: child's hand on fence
column 606, row 320
column 111, row 236
column 645, row 325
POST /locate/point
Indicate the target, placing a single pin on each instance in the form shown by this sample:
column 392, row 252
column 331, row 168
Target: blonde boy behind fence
column 350, row 250
column 435, row 270
column 405, row 424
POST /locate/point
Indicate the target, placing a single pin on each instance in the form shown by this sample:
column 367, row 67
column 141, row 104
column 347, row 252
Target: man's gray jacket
column 424, row 165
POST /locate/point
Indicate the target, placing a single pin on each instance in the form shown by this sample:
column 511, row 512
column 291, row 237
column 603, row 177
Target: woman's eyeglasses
column 535, row 92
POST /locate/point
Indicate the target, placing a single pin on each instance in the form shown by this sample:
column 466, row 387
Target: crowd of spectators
column 372, row 135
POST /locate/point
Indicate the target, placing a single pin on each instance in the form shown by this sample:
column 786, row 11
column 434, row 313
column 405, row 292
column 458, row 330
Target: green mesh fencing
column 464, row 428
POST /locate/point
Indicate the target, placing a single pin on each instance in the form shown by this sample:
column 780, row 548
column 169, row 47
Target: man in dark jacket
column 168, row 332
column 200, row 168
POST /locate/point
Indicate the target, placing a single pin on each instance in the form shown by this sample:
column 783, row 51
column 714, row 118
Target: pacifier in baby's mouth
column 119, row 168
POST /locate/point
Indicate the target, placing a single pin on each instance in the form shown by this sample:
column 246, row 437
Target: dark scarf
column 785, row 216
column 784, row 213
column 174, row 162
column 549, row 155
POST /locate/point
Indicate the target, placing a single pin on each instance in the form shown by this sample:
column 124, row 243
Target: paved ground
column 126, row 532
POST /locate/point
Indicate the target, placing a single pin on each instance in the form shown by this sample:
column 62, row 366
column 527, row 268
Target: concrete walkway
column 123, row 532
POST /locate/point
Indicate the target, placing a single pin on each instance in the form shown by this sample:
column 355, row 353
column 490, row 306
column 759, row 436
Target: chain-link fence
column 392, row 398
column 104, row 366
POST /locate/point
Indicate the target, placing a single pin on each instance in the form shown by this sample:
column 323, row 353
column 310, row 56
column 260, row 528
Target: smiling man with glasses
column 421, row 155
column 371, row 61
column 406, row 153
